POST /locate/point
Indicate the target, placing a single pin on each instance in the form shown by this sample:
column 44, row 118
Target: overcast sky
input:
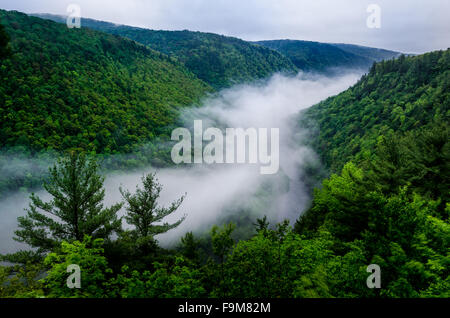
column 412, row 26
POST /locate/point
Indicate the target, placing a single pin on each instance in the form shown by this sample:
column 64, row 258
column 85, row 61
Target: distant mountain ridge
column 317, row 56
column 374, row 54
column 222, row 61
column 218, row 60
column 401, row 95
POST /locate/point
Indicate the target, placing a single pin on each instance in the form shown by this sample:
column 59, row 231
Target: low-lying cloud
column 216, row 192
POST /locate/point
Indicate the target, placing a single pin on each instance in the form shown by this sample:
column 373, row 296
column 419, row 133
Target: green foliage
column 190, row 248
column 218, row 60
column 88, row 255
column 5, row 50
column 143, row 212
column 321, row 57
column 21, row 281
column 385, row 140
column 397, row 96
column 374, row 54
column 23, row 257
column 178, row 281
column 222, row 241
column 400, row 240
column 78, row 88
column 405, row 233
column 281, row 263
column 341, row 202
column 75, row 210
column 419, row 159
column 391, row 205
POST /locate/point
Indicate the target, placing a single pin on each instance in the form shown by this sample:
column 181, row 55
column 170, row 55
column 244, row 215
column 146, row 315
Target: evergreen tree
column 262, row 225
column 433, row 156
column 190, row 248
column 143, row 211
column 393, row 164
column 75, row 210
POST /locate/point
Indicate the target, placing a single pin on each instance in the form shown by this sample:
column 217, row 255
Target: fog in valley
column 223, row 191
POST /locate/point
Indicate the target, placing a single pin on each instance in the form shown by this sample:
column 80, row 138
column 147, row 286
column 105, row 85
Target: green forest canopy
column 395, row 96
column 218, row 60
column 386, row 138
column 79, row 88
column 322, row 57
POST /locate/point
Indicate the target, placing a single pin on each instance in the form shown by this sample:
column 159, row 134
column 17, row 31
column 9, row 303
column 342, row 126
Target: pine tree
column 433, row 156
column 75, row 210
column 392, row 166
column 262, row 225
column 190, row 248
column 143, row 211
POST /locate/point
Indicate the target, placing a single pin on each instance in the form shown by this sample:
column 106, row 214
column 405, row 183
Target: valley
column 362, row 155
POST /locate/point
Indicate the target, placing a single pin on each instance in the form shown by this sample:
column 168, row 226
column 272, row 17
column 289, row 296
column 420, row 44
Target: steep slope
column 4, row 43
column 218, row 60
column 396, row 95
column 79, row 88
column 389, row 206
column 316, row 56
column 373, row 54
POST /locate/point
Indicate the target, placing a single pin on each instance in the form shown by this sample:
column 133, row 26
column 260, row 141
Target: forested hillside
column 395, row 96
column 385, row 142
column 218, row 60
column 5, row 49
column 373, row 54
column 387, row 138
column 316, row 56
column 78, row 88
column 388, row 207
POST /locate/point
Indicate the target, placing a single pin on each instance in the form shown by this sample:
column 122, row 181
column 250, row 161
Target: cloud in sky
column 406, row 25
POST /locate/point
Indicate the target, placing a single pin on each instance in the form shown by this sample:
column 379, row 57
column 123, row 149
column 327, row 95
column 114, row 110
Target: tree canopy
column 75, row 209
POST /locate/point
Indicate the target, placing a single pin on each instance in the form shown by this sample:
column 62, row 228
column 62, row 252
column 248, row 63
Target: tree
column 177, row 281
column 343, row 203
column 93, row 266
column 262, row 225
column 222, row 243
column 279, row 263
column 75, row 210
column 252, row 268
column 5, row 50
column 21, row 281
column 143, row 211
column 433, row 155
column 190, row 248
column 392, row 165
